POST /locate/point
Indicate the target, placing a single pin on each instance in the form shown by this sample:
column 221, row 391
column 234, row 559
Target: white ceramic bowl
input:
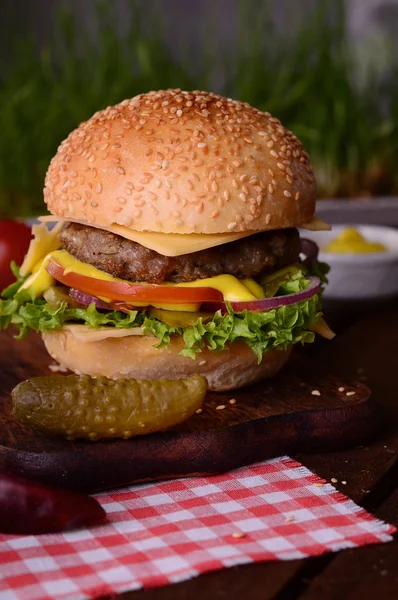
column 360, row 276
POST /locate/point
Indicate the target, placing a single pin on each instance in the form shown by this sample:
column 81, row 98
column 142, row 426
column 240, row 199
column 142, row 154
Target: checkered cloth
column 162, row 533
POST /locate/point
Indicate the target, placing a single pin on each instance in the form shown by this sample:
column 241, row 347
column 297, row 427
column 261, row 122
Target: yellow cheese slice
column 167, row 244
column 176, row 244
column 84, row 334
column 44, row 241
column 316, row 225
column 232, row 289
column 39, row 281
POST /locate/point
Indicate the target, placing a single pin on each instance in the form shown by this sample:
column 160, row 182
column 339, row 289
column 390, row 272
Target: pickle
column 176, row 318
column 57, row 294
column 97, row 408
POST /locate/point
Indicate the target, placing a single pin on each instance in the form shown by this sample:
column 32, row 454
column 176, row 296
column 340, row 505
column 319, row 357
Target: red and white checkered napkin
column 165, row 532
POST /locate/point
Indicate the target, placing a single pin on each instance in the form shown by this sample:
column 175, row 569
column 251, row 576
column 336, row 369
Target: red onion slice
column 253, row 305
column 269, row 303
column 86, row 300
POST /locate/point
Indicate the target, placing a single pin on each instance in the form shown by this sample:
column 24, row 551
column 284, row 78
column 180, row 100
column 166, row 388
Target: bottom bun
column 136, row 357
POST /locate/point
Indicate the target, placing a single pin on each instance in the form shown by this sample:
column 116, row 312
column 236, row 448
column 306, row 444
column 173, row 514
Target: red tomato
column 130, row 292
column 14, row 243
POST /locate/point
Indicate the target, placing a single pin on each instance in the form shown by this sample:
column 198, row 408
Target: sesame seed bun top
column 182, row 162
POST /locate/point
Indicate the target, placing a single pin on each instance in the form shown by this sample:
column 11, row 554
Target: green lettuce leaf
column 320, row 269
column 261, row 331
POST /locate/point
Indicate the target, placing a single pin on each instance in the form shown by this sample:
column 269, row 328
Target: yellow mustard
column 231, row 288
column 351, row 241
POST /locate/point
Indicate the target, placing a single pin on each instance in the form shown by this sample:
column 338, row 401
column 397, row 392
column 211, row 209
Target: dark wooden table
column 366, row 348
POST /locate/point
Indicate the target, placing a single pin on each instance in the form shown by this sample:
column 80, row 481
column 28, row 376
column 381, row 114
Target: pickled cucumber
column 57, row 294
column 97, row 408
column 177, row 318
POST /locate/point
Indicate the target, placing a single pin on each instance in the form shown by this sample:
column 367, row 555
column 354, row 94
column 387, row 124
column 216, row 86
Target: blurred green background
column 340, row 99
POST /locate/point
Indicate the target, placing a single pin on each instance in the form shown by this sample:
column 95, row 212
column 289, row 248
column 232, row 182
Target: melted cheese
column 231, row 288
column 316, row 225
column 40, row 280
column 167, row 244
column 44, row 241
column 176, row 244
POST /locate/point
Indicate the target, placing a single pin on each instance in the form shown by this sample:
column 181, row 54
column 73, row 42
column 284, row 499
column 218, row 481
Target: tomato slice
column 130, row 292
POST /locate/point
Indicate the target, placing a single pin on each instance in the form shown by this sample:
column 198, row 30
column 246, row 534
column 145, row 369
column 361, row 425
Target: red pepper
column 29, row 508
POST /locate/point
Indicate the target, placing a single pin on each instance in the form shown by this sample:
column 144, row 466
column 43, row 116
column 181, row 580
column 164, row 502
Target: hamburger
column 175, row 248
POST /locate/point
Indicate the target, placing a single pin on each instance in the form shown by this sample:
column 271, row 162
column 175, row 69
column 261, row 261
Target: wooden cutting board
column 279, row 416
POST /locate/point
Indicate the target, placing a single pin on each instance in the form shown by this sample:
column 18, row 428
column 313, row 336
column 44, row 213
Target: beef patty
column 251, row 256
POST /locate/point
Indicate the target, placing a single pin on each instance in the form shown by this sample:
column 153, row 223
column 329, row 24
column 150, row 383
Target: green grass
column 309, row 79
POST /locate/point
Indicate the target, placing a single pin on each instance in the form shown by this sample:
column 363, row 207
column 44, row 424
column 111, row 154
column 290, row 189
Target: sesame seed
column 199, row 411
column 287, row 194
column 273, row 153
column 270, row 144
column 201, row 145
column 232, row 401
column 270, row 189
column 316, row 393
column 202, row 362
column 238, row 535
column 121, row 200
column 334, row 480
column 297, row 196
column 93, row 204
column 289, row 519
column 341, row 389
column 281, row 166
column 319, row 485
column 235, row 184
column 350, row 393
column 215, row 214
column 268, row 218
column 120, row 170
column 243, row 197
column 231, row 226
column 220, row 407
column 344, row 482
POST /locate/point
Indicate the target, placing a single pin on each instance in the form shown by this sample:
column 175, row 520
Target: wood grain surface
column 366, row 347
column 271, row 418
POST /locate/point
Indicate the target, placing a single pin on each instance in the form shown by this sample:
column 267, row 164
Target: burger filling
column 249, row 257
column 255, row 289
